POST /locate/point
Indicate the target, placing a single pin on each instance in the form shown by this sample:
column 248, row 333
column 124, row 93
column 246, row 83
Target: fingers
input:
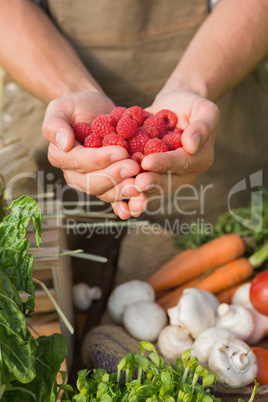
column 179, row 161
column 134, row 207
column 153, row 183
column 84, row 159
column 100, row 181
column 57, row 124
column 203, row 123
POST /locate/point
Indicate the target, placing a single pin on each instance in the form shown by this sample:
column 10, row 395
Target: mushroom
column 212, row 299
column 144, row 320
column 83, row 295
column 172, row 313
column 128, row 293
column 242, row 297
column 195, row 312
column 238, row 319
column 203, row 344
column 234, row 363
column 173, row 341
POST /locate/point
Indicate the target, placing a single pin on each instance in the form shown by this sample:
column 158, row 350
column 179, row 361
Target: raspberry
column 138, row 157
column 151, row 131
column 155, row 145
column 169, row 118
column 136, row 113
column 147, row 114
column 93, row 141
column 103, row 125
column 172, row 140
column 137, row 143
column 114, row 139
column 126, row 127
column 118, row 112
column 157, row 123
column 176, row 130
column 81, row 131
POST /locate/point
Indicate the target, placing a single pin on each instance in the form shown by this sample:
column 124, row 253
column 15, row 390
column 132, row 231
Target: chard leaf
column 16, row 342
column 50, row 353
column 14, row 260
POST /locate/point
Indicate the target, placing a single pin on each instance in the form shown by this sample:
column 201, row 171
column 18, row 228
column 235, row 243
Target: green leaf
column 50, row 353
column 16, row 341
column 145, row 345
column 14, row 258
column 141, row 361
column 166, row 378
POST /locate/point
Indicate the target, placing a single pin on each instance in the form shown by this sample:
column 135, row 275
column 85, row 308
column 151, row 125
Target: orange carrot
column 196, row 262
column 225, row 296
column 227, row 275
column 157, row 276
column 171, row 298
column 221, row 278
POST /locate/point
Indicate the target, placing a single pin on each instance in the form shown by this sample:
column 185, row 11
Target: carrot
column 225, row 296
column 224, row 277
column 193, row 264
column 171, row 298
column 227, row 276
column 157, row 276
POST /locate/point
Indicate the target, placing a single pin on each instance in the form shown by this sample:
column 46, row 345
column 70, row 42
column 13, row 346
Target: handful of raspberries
column 141, row 133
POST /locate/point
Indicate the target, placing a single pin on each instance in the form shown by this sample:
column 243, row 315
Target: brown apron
column 131, row 47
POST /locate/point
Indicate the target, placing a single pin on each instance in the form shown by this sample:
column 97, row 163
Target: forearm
column 230, row 43
column 36, row 55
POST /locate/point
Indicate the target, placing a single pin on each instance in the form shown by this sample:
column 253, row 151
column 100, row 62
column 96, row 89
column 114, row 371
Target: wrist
column 187, row 82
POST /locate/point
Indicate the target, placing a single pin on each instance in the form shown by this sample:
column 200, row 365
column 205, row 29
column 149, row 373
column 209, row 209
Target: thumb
column 57, row 130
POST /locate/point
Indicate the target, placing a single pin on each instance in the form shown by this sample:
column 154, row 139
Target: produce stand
column 97, row 314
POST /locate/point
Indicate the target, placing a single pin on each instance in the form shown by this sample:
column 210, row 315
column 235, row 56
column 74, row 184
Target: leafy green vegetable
column 14, row 258
column 254, row 234
column 28, row 367
column 155, row 380
column 50, row 352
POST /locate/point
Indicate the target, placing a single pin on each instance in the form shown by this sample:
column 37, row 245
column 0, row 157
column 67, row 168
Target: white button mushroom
column 144, row 320
column 233, row 363
column 128, row 293
column 203, row 344
column 173, row 341
column 238, row 319
column 195, row 312
column 242, row 297
column 83, row 295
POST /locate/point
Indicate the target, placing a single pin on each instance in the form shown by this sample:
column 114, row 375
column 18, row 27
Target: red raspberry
column 176, row 130
column 151, row 131
column 118, row 112
column 172, row 140
column 81, row 131
column 126, row 127
column 103, row 124
column 147, row 114
column 136, row 113
column 93, row 141
column 169, row 118
column 137, row 143
column 157, row 123
column 138, row 157
column 155, row 145
column 114, row 139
